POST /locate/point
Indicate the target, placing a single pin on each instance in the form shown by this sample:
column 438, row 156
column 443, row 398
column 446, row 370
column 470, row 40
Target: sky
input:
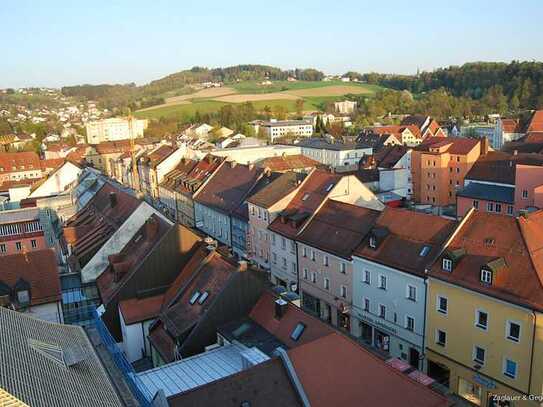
column 55, row 43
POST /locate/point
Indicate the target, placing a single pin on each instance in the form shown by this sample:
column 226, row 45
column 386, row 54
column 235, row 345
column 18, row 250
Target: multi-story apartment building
column 389, row 290
column 155, row 164
column 484, row 311
column 21, row 231
column 325, row 247
column 334, row 154
column 439, row 166
column 19, row 166
column 291, row 221
column 264, row 206
column 409, row 135
column 274, row 129
column 222, row 194
column 505, row 130
column 168, row 188
column 114, row 129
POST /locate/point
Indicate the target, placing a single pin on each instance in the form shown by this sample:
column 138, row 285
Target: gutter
column 291, row 372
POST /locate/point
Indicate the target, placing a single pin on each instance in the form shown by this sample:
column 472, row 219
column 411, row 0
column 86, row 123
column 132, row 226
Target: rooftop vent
column 280, row 308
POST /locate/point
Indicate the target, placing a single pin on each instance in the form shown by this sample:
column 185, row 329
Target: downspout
column 424, row 319
column 532, row 354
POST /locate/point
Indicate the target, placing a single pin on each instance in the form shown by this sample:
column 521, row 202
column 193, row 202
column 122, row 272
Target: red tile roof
column 456, row 145
column 229, row 186
column 536, row 123
column 407, row 233
column 311, row 194
column 159, row 154
column 263, row 313
column 38, row 268
column 338, row 228
column 389, row 156
column 111, row 147
column 136, row 310
column 277, row 189
column 199, row 174
column 93, row 225
column 516, row 244
column 335, row 371
column 288, row 162
column 15, row 162
column 511, row 126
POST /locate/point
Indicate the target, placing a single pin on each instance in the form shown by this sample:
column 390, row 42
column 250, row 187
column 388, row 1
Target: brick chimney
column 484, row 146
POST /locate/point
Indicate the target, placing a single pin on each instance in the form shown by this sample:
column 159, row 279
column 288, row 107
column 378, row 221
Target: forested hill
column 182, row 79
column 520, row 82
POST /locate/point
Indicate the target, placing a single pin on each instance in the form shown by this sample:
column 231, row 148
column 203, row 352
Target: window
column 373, row 242
column 509, row 209
column 366, row 305
column 313, row 277
column 382, row 282
column 274, row 258
column 510, row 368
column 524, row 194
column 283, row 243
column 479, row 355
column 498, row 208
column 304, row 252
column 294, row 268
column 33, row 243
column 343, row 291
column 441, row 337
column 284, row 262
column 326, row 283
column 424, row 251
column 442, row 304
column 203, row 297
column 2, row 248
column 342, row 268
column 325, row 260
column 476, row 204
column 513, row 331
column 486, row 276
column 410, row 323
column 481, row 319
column 23, row 297
column 412, row 293
column 457, row 170
column 305, row 273
column 194, row 297
column 273, row 239
column 367, row 277
column 18, row 246
column 313, row 255
column 297, row 331
column 447, row 265
column 489, row 207
column 305, row 197
column 382, row 311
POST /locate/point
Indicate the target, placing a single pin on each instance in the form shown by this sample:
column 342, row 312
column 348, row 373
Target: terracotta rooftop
column 263, row 313
column 15, row 162
column 37, row 269
column 157, row 155
column 314, row 190
column 111, row 147
column 389, row 156
column 536, row 123
column 456, row 145
column 123, row 264
column 288, row 162
column 338, row 228
column 335, row 371
column 136, row 310
column 94, row 224
column 511, row 126
column 229, row 186
column 514, row 245
column 417, row 236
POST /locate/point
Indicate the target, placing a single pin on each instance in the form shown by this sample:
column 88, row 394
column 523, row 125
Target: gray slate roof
column 488, row 192
column 48, row 364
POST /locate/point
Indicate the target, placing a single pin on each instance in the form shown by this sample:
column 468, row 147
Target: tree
column 299, row 106
column 267, row 112
column 280, row 112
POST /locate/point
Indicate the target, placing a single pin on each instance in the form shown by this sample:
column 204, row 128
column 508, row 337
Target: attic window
column 305, row 197
column 194, row 297
column 298, row 331
column 203, row 297
column 373, row 242
column 329, row 187
column 424, row 251
column 486, row 276
column 447, row 265
column 23, row 297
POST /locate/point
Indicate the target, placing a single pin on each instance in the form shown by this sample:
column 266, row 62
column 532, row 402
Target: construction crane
column 135, row 175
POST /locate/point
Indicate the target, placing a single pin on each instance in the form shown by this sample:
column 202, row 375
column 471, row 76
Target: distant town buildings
column 274, row 129
column 114, row 129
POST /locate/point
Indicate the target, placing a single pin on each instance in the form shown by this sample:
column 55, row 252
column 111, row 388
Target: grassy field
column 278, row 86
column 181, row 111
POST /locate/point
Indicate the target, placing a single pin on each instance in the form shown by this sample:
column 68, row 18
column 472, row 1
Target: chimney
column 280, row 308
column 112, row 199
column 484, row 146
column 242, row 265
column 233, row 164
column 251, row 167
column 515, row 152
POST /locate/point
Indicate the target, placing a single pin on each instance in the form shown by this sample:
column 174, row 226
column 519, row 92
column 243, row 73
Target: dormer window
column 194, row 297
column 373, row 242
column 305, row 197
column 486, row 276
column 447, row 265
column 23, row 297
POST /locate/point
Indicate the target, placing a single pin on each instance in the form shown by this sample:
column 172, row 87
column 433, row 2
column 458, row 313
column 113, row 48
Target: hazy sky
column 55, row 43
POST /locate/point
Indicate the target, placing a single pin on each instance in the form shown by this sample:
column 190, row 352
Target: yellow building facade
column 485, row 349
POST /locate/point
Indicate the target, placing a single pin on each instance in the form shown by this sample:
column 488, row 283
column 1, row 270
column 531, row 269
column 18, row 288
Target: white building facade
column 113, row 129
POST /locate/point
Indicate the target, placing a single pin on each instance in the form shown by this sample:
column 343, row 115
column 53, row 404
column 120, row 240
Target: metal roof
column 186, row 374
column 488, row 192
column 31, row 371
